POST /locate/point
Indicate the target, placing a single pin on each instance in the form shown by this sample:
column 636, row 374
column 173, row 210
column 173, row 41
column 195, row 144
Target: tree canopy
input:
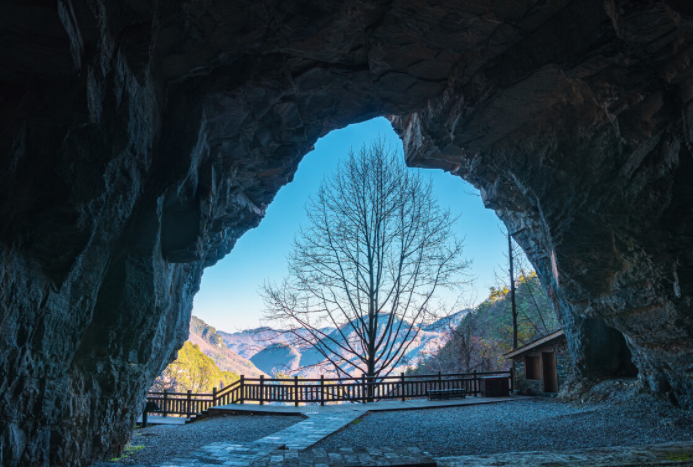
column 369, row 264
column 192, row 370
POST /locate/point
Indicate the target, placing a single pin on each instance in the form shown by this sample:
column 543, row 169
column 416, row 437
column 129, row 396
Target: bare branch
column 376, row 252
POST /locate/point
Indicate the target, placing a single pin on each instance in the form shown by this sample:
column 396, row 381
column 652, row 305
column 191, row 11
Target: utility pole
column 511, row 261
column 512, row 289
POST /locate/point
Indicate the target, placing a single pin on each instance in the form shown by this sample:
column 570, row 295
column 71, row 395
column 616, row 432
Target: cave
column 607, row 355
column 140, row 139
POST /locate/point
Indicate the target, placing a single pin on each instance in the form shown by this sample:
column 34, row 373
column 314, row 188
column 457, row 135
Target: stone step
column 347, row 457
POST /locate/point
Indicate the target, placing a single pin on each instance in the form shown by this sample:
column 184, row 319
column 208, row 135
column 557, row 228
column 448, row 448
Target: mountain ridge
column 211, row 343
column 274, row 351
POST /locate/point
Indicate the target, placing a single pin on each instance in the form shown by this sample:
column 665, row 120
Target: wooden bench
column 445, row 394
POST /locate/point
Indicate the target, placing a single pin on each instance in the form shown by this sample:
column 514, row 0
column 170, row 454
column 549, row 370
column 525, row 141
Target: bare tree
column 368, row 266
column 469, row 340
column 469, row 346
column 535, row 309
column 530, row 309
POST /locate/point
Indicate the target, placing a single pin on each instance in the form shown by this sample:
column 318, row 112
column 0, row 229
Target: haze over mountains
column 212, row 345
column 268, row 351
column 273, row 352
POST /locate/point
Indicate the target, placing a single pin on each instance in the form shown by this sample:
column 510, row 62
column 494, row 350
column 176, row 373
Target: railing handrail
column 322, row 390
column 229, row 387
column 359, row 379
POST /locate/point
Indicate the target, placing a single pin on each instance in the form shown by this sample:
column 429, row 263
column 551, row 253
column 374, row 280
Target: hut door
column 548, row 360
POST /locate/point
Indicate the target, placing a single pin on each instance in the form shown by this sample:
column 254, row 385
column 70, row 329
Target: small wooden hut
column 541, row 366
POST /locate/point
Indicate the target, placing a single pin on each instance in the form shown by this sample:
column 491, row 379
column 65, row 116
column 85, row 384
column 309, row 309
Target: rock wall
column 579, row 137
column 140, row 139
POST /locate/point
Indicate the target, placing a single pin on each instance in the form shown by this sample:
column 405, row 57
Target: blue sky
column 229, row 295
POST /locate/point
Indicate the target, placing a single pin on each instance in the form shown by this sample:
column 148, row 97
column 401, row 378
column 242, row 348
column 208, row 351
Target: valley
column 271, row 352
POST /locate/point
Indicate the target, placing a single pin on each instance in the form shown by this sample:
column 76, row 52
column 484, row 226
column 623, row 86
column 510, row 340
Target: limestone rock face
column 140, row 139
column 582, row 146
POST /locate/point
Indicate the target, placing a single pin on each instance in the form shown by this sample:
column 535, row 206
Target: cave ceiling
column 140, row 139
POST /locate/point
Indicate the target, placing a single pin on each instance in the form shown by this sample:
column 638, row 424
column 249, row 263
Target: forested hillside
column 485, row 333
column 204, row 362
column 211, row 344
column 194, row 371
column 470, row 340
column 205, row 331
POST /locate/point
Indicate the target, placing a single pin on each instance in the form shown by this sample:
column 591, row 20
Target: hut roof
column 543, row 340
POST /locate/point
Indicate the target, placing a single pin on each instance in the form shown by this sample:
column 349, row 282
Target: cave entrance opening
column 607, row 354
column 228, row 298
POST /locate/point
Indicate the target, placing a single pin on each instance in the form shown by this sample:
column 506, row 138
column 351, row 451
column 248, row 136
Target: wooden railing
column 320, row 391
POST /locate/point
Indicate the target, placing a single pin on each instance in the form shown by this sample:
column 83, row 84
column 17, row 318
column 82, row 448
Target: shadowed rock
column 140, row 139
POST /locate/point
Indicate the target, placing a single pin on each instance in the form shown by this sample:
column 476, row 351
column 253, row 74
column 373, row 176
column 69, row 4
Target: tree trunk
column 370, row 377
column 512, row 289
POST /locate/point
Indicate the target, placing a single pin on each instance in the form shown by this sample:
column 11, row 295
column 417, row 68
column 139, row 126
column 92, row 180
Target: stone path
column 348, row 457
column 216, row 454
column 290, row 445
column 669, row 454
column 292, row 439
column 308, row 432
column 259, row 455
column 293, row 447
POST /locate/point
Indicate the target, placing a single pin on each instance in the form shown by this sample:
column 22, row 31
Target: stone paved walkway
column 669, row 454
column 294, row 438
column 308, row 432
column 259, row 455
column 348, row 457
column 229, row 454
column 290, row 445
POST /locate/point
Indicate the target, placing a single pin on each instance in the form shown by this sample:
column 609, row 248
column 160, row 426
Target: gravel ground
column 529, row 425
column 525, row 425
column 163, row 442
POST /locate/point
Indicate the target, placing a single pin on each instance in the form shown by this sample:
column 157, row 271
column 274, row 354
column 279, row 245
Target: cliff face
column 140, row 139
column 579, row 137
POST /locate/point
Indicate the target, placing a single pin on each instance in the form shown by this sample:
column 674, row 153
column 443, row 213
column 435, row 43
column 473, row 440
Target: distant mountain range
column 266, row 351
column 212, row 345
column 251, row 341
column 273, row 351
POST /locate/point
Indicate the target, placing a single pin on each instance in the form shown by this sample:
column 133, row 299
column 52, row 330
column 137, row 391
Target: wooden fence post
column 296, row 390
column 189, row 408
column 262, row 387
column 477, row 386
column 322, row 389
column 363, row 387
column 214, row 396
column 241, row 389
column 512, row 378
column 440, row 381
column 402, row 386
column 165, row 408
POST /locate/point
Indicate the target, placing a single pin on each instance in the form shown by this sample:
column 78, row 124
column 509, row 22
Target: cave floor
column 547, row 432
column 679, row 454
